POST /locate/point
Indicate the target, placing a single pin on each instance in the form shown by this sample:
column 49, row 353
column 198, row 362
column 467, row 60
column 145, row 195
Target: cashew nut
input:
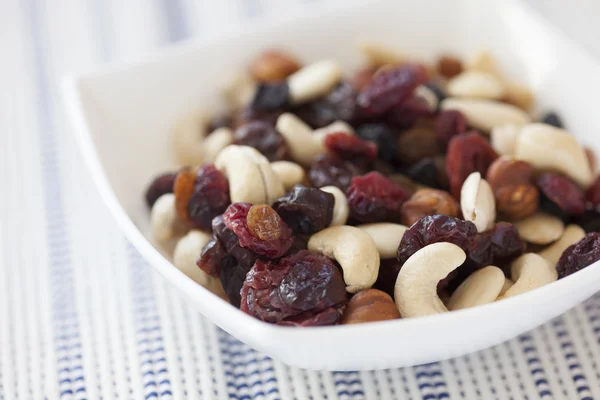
column 477, row 202
column 530, row 271
column 483, row 61
column 378, row 54
column 504, row 139
column 550, row 148
column 507, row 285
column 354, row 250
column 340, row 206
column 239, row 89
column 313, row 81
column 429, row 96
column 572, row 234
column 289, row 173
column 415, row 291
column 540, row 228
column 481, row 287
column 475, row 84
column 387, row 237
column 486, row 114
column 215, row 142
column 163, row 219
column 250, row 176
column 187, row 251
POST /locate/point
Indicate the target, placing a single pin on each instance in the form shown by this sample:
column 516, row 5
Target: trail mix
column 405, row 189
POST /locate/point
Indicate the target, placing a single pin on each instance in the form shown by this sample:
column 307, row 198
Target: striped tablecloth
column 81, row 314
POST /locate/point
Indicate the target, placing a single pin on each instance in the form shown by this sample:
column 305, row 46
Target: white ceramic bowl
column 123, row 117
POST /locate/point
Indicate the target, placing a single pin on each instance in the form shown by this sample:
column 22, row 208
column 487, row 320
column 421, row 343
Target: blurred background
column 82, row 316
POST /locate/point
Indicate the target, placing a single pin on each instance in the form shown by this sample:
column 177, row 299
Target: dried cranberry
column 349, row 147
column 339, row 104
column 302, row 290
column 211, row 257
column 209, row 198
column 271, row 96
column 552, row 118
column 404, row 115
column 232, row 276
column 589, row 220
column 375, row 198
column 467, row 153
column 448, row 124
column 306, row 210
column 562, row 192
column 262, row 136
column 383, row 136
column 160, row 185
column 498, row 246
column 236, row 219
column 390, row 88
column 244, row 256
column 580, row 255
column 331, row 170
column 593, row 193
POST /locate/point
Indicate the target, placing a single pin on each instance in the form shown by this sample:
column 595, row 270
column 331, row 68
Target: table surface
column 82, row 316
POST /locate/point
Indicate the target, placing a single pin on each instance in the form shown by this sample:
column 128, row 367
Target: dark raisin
column 589, row 220
column 211, row 257
column 390, row 88
column 386, row 278
column 317, row 113
column 302, row 290
column 580, row 255
column 593, row 193
column 498, row 246
column 210, row 197
column 305, row 210
column 339, row 104
column 425, row 172
column 467, row 153
column 437, row 90
column 416, row 144
column 342, row 99
column 375, row 198
column 236, row 219
column 331, row 170
column 232, row 276
column 384, row 137
column 562, row 192
column 221, row 121
column 351, row 148
column 160, row 185
column 550, row 207
column 404, row 115
column 552, row 118
column 244, row 256
column 300, row 243
column 263, row 137
column 448, row 124
column 249, row 114
column 271, row 96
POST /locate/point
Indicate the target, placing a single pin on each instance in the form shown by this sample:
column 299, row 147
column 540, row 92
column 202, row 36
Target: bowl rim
column 71, row 87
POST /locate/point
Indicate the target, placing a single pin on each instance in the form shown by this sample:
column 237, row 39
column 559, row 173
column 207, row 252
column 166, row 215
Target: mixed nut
column 406, row 190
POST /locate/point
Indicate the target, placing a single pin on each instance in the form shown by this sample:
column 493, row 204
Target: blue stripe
column 535, row 367
column 65, row 322
column 567, row 347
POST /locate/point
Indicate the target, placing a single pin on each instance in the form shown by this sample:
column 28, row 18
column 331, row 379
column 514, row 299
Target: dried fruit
column 306, row 210
column 262, row 136
column 331, row 170
column 363, row 77
column 390, row 88
column 211, row 257
column 264, row 222
column 593, row 193
column 303, row 289
column 467, row 153
column 580, row 255
column 230, row 242
column 339, row 104
column 512, row 183
column 183, row 188
column 562, row 192
column 210, row 197
column 375, row 198
column 498, row 246
column 232, row 276
column 589, row 220
column 428, row 202
column 351, row 148
column 271, row 96
column 370, row 305
column 449, row 66
column 236, row 219
column 434, row 229
column 160, row 185
column 552, row 118
column 273, row 66
column 388, row 272
column 407, row 113
column 249, row 114
column 430, row 172
column 383, row 136
column 416, row 144
column 448, row 124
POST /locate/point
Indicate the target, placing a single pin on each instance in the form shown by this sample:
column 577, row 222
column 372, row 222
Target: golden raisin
column 264, row 222
column 183, row 188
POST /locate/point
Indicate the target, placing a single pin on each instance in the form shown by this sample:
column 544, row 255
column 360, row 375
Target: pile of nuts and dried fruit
column 405, row 190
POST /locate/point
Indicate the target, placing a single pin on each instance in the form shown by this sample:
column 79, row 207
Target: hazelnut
column 183, row 188
column 273, row 66
column 418, row 143
column 428, row 202
column 370, row 305
column 449, row 66
column 512, row 183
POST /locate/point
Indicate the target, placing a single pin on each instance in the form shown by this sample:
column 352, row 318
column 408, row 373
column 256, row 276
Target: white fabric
column 82, row 316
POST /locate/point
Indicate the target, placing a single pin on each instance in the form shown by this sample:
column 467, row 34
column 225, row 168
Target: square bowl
column 123, row 116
